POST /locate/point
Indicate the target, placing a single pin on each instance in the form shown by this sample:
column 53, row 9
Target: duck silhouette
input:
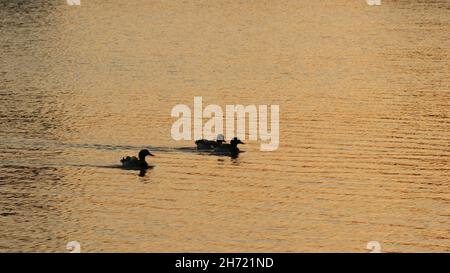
column 204, row 144
column 136, row 163
column 229, row 149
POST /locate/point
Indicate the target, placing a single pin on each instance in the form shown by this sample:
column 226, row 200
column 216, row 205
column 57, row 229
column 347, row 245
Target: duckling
column 229, row 148
column 136, row 163
column 204, row 144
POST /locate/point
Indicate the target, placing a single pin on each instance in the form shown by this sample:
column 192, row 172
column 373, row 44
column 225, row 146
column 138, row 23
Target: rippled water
column 364, row 125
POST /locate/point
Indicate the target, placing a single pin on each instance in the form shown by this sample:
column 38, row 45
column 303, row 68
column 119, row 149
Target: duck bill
column 150, row 154
column 241, row 142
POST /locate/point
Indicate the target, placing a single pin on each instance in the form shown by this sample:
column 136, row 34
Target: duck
column 136, row 163
column 229, row 148
column 204, row 144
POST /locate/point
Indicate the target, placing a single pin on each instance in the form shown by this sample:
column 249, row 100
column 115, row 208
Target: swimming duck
column 136, row 163
column 204, row 144
column 229, row 148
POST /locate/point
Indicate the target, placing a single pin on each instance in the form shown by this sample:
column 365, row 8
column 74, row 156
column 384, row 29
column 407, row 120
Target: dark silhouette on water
column 136, row 163
column 229, row 149
column 204, row 144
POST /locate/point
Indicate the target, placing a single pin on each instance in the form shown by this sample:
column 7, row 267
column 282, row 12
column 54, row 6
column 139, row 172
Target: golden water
column 364, row 125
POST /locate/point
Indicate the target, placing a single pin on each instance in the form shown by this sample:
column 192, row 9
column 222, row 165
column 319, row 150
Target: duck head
column 144, row 153
column 235, row 141
column 220, row 139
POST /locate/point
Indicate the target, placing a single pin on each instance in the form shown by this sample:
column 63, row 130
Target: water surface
column 364, row 125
